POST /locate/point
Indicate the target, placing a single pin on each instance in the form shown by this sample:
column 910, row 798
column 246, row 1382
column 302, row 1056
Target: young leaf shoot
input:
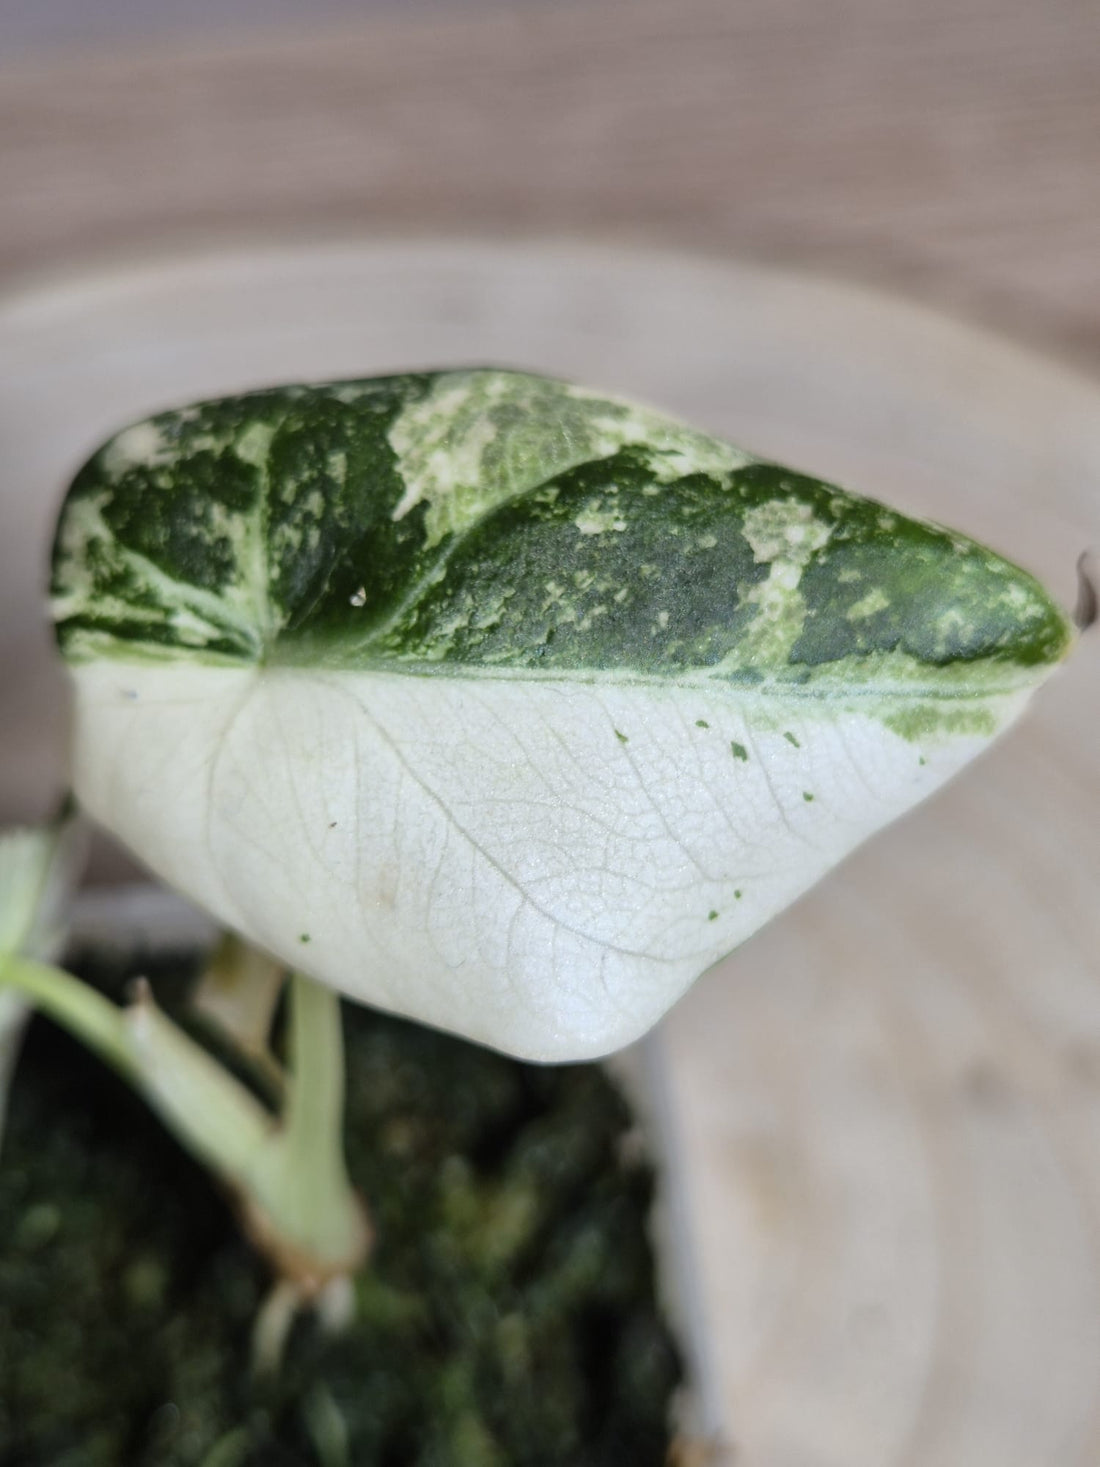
column 505, row 705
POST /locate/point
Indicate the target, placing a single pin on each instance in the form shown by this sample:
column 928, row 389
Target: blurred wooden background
column 948, row 147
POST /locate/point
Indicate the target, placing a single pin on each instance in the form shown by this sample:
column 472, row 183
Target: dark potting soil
column 506, row 1318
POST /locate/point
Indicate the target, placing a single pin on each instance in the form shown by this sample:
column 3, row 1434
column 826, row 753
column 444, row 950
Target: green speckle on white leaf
column 427, row 657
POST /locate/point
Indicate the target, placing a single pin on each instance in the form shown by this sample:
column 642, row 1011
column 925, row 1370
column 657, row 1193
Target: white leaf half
column 542, row 866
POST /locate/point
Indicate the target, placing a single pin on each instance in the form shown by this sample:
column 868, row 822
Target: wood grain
column 949, row 148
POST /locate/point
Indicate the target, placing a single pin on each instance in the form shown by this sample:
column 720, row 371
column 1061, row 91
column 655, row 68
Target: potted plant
column 509, row 708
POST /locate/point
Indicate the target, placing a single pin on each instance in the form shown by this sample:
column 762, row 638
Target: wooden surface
column 886, row 1105
column 951, row 146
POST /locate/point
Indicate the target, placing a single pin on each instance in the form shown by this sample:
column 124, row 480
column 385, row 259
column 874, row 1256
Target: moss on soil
column 506, row 1319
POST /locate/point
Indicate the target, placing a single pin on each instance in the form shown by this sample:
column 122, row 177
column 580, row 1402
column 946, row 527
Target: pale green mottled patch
column 875, row 600
column 785, row 531
column 144, row 443
column 932, row 722
column 784, row 535
column 595, row 519
column 254, row 444
column 477, row 439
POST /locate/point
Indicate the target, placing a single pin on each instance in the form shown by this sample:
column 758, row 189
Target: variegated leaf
column 505, row 705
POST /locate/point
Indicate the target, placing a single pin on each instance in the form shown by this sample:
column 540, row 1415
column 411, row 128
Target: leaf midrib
column 827, row 688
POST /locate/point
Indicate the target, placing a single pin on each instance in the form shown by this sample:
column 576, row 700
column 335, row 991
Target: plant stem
column 216, row 1117
column 93, row 1019
column 211, row 1113
column 299, row 1176
column 288, row 1178
column 315, row 1105
column 238, row 993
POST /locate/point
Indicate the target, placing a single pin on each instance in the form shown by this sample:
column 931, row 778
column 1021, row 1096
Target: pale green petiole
column 298, row 1177
column 89, row 1016
column 216, row 1117
column 286, row 1174
column 237, row 994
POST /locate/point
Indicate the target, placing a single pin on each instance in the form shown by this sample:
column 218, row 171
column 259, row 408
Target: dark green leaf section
column 661, row 589
column 674, row 585
column 278, row 505
column 286, row 525
column 885, row 583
